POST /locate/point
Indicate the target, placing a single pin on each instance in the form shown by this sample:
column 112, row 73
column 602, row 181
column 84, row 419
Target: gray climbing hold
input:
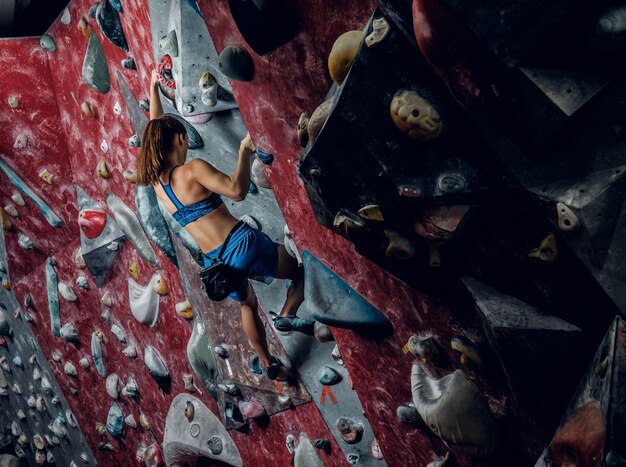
column 168, row 44
column 152, row 221
column 157, row 368
column 349, row 430
column 221, row 351
column 53, row 297
column 115, row 421
column 305, row 454
column 129, row 63
column 117, row 5
column 129, row 224
column 95, row 67
column 96, row 353
column 202, row 361
column 329, row 376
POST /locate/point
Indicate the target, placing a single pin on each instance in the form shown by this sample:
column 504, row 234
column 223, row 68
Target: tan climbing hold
column 132, row 269
column 160, row 286
column 568, row 221
column 303, row 128
column 415, row 116
column 14, row 102
column 46, row 176
column 103, row 169
column 371, row 212
column 130, row 176
column 547, row 251
column 184, row 309
column 5, row 220
column 88, row 109
column 399, row 247
column 380, row 30
column 318, row 118
column 343, row 53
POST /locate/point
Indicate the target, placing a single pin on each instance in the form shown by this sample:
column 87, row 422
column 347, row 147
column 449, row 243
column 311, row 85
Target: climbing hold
column 231, row 389
column 144, row 302
column 88, row 109
column 456, row 411
column 323, row 444
column 129, row 63
column 265, row 157
column 547, row 251
column 159, row 285
column 168, row 44
column 5, row 220
column 202, row 362
column 184, row 309
column 221, row 351
column 96, row 353
column 236, row 63
column 252, row 409
column 471, row 356
column 143, row 421
column 328, row 376
column 81, row 281
column 318, row 118
column 68, row 332
column 117, row 109
column 46, row 176
column 415, row 116
column 377, row 453
column 13, row 101
column 108, row 19
column 130, row 351
column 115, row 421
column 130, row 176
column 130, row 421
column 322, row 332
column 132, row 269
column 134, row 141
column 342, row 54
column 39, row 442
column 303, row 128
column 259, row 176
column 25, row 242
column 83, row 26
column 21, row 141
column 53, row 297
column 157, row 369
column 189, row 411
column 131, row 227
column 131, row 389
column 66, row 18
column 398, row 247
column 69, row 369
column 255, row 365
column 380, row 30
column 11, row 211
column 107, row 299
column 349, row 430
column 119, row 333
column 66, row 292
column 371, row 212
column 305, row 454
column 47, row 43
column 104, row 147
column 567, row 220
column 84, row 362
column 336, row 354
column 252, row 188
column 164, row 72
column 95, row 72
column 209, row 87
column 427, row 349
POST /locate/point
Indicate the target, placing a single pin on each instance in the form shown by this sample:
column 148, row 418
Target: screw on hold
column 215, row 445
column 315, row 172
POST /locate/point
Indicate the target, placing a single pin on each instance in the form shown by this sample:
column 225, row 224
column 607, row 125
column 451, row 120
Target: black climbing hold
column 323, row 444
column 215, row 445
column 129, row 63
column 109, row 22
column 264, row 24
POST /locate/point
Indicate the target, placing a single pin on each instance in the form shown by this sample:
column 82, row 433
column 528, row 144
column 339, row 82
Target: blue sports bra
column 187, row 214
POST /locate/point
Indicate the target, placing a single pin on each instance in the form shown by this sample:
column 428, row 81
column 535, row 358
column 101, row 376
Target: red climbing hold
column 92, row 222
column 164, row 70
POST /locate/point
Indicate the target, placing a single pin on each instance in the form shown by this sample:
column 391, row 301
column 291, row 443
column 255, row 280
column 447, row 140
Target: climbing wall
column 455, row 195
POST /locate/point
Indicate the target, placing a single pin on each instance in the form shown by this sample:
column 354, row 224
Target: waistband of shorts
column 237, row 233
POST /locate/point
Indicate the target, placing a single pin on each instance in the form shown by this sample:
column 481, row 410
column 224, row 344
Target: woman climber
column 192, row 192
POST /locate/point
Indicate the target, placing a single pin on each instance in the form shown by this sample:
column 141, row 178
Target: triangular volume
column 592, row 429
column 109, row 22
column 333, row 302
column 196, row 55
column 567, row 90
column 597, row 201
column 152, row 221
column 528, row 342
column 99, row 242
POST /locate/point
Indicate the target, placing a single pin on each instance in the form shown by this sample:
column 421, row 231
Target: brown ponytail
column 156, row 144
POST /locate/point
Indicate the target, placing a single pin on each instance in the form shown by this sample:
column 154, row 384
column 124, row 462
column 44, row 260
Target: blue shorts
column 251, row 253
